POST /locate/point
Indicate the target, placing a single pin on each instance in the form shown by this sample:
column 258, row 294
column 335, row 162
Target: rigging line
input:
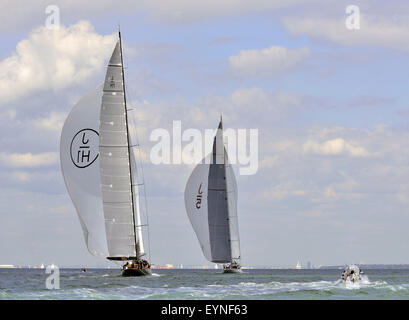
column 135, row 132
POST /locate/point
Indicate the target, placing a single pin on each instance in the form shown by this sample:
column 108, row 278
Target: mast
column 225, row 164
column 129, row 147
column 227, row 191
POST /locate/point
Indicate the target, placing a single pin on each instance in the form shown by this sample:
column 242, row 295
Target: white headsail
column 79, row 157
column 211, row 205
column 196, row 206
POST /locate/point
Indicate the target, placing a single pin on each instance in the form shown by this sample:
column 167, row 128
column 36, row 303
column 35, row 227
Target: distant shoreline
column 336, row 267
column 372, row 266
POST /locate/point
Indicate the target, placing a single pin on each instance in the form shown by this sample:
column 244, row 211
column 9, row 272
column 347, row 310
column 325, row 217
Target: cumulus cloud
column 29, row 159
column 53, row 59
column 336, row 146
column 266, row 62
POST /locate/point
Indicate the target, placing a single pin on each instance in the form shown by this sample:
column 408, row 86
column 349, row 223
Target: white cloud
column 54, row 59
column 269, row 162
column 374, row 30
column 250, row 96
column 282, row 191
column 164, row 10
column 53, row 122
column 336, row 146
column 28, row 159
column 266, row 62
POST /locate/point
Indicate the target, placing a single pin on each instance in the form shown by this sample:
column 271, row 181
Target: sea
column 181, row 284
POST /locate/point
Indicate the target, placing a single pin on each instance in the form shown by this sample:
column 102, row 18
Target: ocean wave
column 200, row 285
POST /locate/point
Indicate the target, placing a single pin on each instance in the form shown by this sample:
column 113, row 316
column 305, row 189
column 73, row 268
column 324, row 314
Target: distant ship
column 211, row 205
column 99, row 165
column 167, row 266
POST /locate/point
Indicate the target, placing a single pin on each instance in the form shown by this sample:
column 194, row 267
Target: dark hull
column 131, row 272
column 228, row 270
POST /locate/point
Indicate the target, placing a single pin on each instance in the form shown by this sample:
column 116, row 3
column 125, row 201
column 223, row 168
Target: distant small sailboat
column 211, row 205
column 98, row 162
column 298, row 266
column 42, row 266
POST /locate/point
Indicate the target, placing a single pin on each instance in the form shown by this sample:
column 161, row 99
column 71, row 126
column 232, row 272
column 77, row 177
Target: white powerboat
column 352, row 274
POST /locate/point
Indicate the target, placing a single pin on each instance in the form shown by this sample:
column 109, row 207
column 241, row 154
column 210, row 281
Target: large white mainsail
column 120, row 205
column 80, row 167
column 211, row 205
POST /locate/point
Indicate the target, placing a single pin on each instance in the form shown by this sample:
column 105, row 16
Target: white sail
column 116, row 181
column 233, row 218
column 196, row 206
column 211, row 205
column 80, row 167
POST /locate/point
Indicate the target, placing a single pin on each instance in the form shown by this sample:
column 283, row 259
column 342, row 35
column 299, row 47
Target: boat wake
column 325, row 289
column 356, row 285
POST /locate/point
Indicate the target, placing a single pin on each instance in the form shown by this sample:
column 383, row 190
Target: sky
column 330, row 105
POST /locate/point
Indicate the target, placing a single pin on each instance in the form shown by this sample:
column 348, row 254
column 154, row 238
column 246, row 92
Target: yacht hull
column 133, row 272
column 228, row 270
